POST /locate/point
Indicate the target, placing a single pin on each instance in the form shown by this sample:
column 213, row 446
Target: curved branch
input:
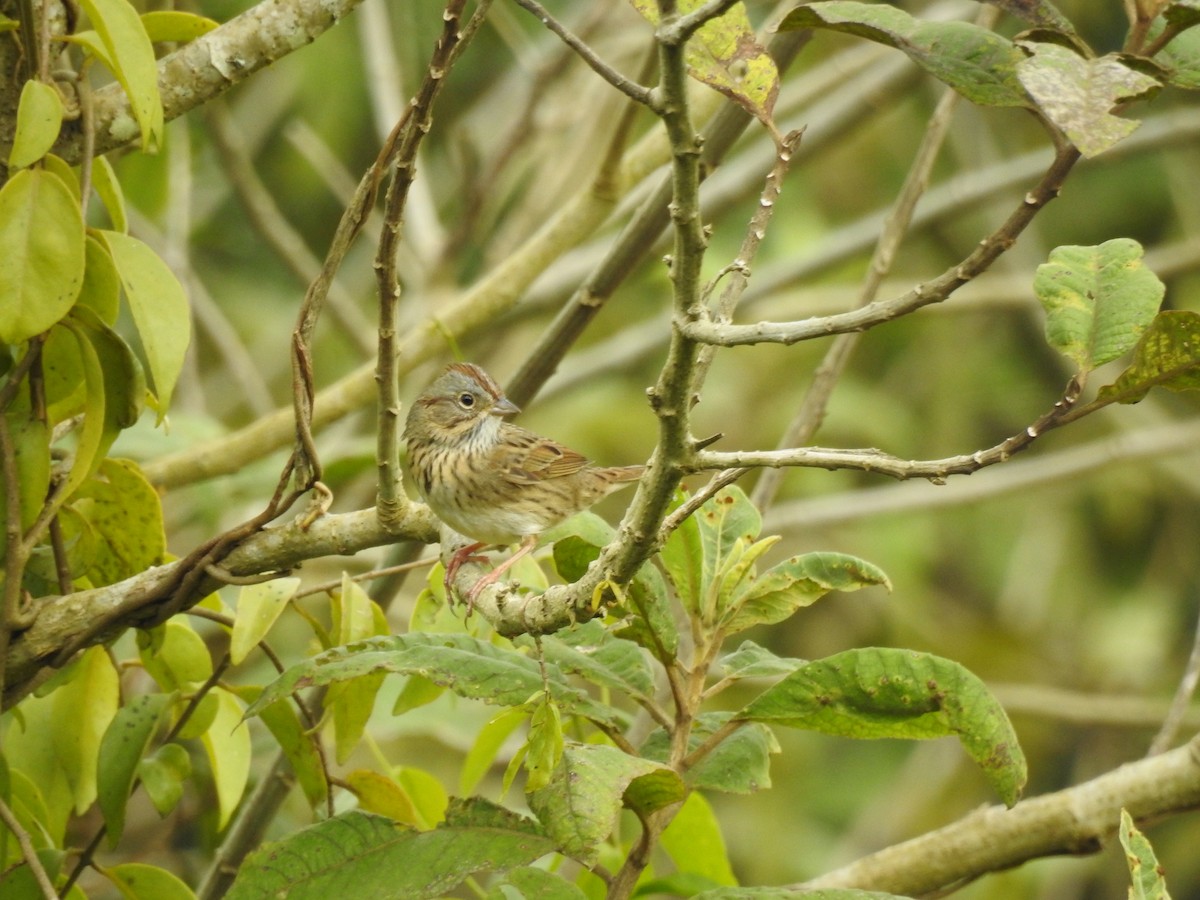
column 1074, row 820
column 209, row 66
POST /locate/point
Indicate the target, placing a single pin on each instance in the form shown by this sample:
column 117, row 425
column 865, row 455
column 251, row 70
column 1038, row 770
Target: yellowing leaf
column 108, row 189
column 258, row 606
column 83, row 709
column 379, row 794
column 39, row 118
column 131, row 58
column 159, row 307
column 41, row 253
column 227, row 743
column 172, row 25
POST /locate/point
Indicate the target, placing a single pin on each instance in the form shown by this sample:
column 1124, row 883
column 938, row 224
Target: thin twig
column 9, row 818
column 1181, row 702
column 631, row 89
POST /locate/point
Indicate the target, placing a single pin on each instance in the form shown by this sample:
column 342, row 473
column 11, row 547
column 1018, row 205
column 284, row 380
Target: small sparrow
column 490, row 480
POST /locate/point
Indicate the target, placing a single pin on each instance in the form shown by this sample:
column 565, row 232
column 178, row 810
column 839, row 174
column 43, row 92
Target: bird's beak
column 504, row 407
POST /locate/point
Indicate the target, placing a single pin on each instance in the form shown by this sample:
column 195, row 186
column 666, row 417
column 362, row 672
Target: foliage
column 635, row 685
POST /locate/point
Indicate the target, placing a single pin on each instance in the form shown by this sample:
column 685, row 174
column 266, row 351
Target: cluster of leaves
column 581, row 758
column 73, row 382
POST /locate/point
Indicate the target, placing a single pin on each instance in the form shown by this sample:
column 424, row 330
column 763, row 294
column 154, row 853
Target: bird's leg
column 527, row 545
column 461, row 556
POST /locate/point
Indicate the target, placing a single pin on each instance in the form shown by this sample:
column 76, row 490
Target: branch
column 209, row 66
column 885, row 463
column 1075, row 820
column 90, row 617
column 629, row 88
column 934, row 291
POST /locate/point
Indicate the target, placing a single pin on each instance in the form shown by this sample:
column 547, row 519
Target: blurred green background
column 1067, row 575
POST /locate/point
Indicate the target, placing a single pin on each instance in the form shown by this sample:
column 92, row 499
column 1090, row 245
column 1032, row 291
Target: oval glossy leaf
column 296, row 742
column 131, row 58
column 31, row 458
column 695, row 844
column 579, row 806
column 84, row 708
column 175, row 26
column 467, row 666
column 101, row 291
column 164, row 774
column 108, row 189
column 125, row 515
column 796, row 583
column 39, row 118
column 96, row 433
column 174, row 655
column 978, row 63
column 227, row 742
column 383, row 859
column 124, row 744
column 258, row 606
column 138, row 881
column 1168, row 355
column 1078, row 94
column 885, row 693
column 591, row 652
column 159, row 307
column 1098, row 300
column 60, row 167
column 41, row 253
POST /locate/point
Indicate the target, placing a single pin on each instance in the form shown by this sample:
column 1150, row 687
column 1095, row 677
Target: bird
column 491, row 481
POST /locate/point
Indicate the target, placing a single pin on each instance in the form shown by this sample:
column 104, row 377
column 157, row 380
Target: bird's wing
column 540, row 458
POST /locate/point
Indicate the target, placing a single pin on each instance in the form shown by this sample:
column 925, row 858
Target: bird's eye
column 466, row 400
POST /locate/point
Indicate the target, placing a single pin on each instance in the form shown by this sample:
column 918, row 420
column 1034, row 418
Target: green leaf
column 174, row 26
column 101, row 291
column 1038, row 13
column 124, row 383
column 591, row 652
column 1181, row 57
column 753, row 661
column 56, row 165
column 31, row 459
column 1098, row 300
column 377, row 793
column 695, row 844
column 885, row 693
column 978, row 63
column 352, row 703
column 174, row 655
column 386, row 861
column 1168, row 355
column 1144, row 870
column 227, row 743
column 1078, row 94
column 545, row 744
column 725, row 54
column 108, row 189
column 798, row 582
column 683, row 557
column 84, row 708
column 417, row 692
column 466, row 665
column 125, row 514
column 41, row 253
column 159, row 307
column 124, row 744
column 649, row 621
column 138, row 881
column 39, row 118
column 258, row 606
column 579, row 806
column 740, row 764
column 296, row 742
column 488, row 742
column 131, row 58
column 538, row 884
column 164, row 773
